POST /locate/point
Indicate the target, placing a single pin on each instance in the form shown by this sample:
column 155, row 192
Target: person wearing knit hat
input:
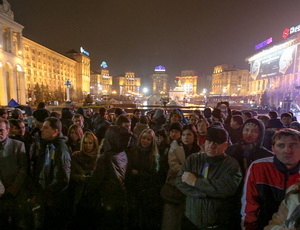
column 175, row 131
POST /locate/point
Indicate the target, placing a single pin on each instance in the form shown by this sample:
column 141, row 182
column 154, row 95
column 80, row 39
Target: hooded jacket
column 244, row 153
column 108, row 178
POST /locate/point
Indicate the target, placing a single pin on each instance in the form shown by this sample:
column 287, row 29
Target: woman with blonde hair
column 75, row 135
column 142, row 183
column 82, row 166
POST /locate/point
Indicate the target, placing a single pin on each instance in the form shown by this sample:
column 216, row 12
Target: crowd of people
column 80, row 169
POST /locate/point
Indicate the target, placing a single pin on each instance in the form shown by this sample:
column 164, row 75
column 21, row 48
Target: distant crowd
column 84, row 169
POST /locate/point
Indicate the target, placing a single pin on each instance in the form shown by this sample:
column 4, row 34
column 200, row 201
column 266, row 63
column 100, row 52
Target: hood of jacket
column 261, row 127
column 117, row 139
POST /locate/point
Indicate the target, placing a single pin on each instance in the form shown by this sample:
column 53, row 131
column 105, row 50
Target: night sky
column 137, row 35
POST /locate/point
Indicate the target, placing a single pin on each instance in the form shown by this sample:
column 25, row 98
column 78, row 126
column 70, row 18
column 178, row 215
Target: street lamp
column 68, row 84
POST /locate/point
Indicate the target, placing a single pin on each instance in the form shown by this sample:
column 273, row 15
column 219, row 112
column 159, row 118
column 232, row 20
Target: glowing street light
column 145, row 90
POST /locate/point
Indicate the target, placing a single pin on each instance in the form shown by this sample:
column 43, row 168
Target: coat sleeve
column 250, row 203
column 224, row 186
column 175, row 157
column 61, row 171
column 22, row 169
column 220, row 187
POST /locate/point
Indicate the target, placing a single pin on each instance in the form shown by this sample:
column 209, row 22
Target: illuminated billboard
column 276, row 64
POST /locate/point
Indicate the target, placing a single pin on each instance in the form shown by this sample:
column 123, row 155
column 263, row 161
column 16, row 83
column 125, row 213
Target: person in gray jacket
column 210, row 180
column 13, row 173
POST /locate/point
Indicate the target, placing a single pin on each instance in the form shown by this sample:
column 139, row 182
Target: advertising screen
column 276, row 64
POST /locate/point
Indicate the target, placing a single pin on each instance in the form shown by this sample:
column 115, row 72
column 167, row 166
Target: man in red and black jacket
column 267, row 179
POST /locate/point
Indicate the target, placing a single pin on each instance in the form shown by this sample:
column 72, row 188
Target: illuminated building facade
column 46, row 71
column 30, row 71
column 160, row 80
column 12, row 79
column 274, row 71
column 228, row 81
column 101, row 83
column 188, row 82
column 83, row 68
column 129, row 84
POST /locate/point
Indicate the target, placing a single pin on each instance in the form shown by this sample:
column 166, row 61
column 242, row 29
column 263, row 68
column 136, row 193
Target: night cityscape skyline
column 137, row 35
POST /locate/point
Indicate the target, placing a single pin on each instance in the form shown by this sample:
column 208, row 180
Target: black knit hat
column 41, row 114
column 217, row 135
column 176, row 126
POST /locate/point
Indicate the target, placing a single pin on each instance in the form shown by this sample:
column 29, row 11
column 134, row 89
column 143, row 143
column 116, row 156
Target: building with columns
column 128, row 84
column 12, row 79
column 101, row 82
column 229, row 81
column 31, row 71
column 188, row 81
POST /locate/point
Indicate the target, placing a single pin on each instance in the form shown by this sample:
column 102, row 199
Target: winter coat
column 107, row 184
column 209, row 201
column 53, row 176
column 286, row 209
column 82, row 167
column 257, row 151
column 13, row 165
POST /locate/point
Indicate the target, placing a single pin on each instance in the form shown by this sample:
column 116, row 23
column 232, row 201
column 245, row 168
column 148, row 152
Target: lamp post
column 68, row 84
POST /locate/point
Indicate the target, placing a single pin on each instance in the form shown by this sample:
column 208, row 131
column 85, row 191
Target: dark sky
column 137, row 35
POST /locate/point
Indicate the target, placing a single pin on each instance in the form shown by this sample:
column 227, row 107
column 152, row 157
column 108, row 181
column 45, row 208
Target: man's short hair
column 102, row 112
column 285, row 133
column 122, row 119
column 248, row 114
column 5, row 121
column 273, row 114
column 286, row 115
column 3, row 111
column 238, row 119
column 54, row 123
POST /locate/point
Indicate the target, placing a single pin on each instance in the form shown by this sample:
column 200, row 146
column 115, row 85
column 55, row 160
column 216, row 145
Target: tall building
column 101, row 81
column 128, row 84
column 188, row 81
column 83, row 68
column 228, row 81
column 275, row 69
column 12, row 78
column 46, row 71
column 30, row 71
column 160, row 80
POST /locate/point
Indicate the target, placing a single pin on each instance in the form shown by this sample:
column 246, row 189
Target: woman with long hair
column 82, row 166
column 75, row 135
column 142, row 183
column 179, row 151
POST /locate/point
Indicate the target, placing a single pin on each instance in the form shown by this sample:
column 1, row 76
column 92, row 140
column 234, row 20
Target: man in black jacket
column 210, row 181
column 53, row 173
